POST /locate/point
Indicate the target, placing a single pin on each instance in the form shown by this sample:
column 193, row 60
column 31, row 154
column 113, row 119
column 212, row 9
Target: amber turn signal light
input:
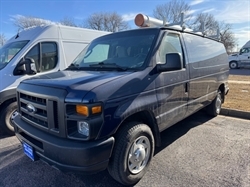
column 81, row 109
column 96, row 109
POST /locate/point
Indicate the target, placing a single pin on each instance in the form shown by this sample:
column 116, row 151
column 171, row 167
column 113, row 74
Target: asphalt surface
column 239, row 71
column 199, row 151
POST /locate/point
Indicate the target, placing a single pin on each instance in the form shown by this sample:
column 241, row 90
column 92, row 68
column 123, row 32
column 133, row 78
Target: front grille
column 39, row 111
column 35, row 120
column 33, row 99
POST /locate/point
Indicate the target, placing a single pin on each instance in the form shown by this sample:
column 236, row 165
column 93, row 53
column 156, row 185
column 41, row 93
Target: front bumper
column 65, row 154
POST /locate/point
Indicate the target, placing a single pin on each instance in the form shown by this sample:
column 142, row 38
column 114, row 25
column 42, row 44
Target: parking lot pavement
column 9, row 146
column 239, row 71
column 199, row 151
column 211, row 152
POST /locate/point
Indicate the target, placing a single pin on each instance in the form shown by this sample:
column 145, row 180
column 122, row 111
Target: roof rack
column 142, row 20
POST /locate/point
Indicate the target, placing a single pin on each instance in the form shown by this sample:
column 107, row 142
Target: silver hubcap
column 13, row 115
column 139, row 154
column 218, row 104
column 233, row 65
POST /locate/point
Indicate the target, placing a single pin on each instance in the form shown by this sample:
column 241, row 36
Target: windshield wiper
column 73, row 66
column 108, row 65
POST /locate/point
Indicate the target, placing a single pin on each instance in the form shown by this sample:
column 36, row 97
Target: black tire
column 6, row 117
column 233, row 65
column 133, row 138
column 214, row 108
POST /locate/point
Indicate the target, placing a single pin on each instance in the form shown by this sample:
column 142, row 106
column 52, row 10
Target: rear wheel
column 8, row 112
column 233, row 65
column 215, row 107
column 132, row 153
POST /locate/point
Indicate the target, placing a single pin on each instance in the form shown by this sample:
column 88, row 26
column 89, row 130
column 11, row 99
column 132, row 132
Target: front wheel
column 233, row 65
column 8, row 113
column 215, row 107
column 132, row 153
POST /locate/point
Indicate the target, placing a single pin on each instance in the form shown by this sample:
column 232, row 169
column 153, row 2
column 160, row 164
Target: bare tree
column 68, row 21
column 211, row 26
column 2, row 39
column 106, row 21
column 171, row 11
column 22, row 22
column 227, row 36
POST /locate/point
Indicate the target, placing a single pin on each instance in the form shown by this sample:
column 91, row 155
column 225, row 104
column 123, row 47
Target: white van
column 241, row 59
column 51, row 48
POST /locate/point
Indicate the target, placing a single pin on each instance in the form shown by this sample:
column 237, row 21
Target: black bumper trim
column 66, row 168
column 65, row 154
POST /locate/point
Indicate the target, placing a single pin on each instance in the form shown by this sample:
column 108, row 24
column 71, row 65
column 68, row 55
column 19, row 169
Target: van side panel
column 208, row 68
column 74, row 40
column 79, row 34
column 71, row 50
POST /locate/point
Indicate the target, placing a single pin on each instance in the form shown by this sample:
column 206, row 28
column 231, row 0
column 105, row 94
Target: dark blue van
column 107, row 109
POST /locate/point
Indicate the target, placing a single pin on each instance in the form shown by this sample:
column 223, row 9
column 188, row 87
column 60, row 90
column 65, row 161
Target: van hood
column 76, row 83
column 236, row 54
column 96, row 86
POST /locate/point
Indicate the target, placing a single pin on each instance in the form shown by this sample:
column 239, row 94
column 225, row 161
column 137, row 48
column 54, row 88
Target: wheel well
column 222, row 89
column 7, row 102
column 147, row 118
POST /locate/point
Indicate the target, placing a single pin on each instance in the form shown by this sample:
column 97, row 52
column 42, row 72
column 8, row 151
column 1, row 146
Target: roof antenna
column 17, row 34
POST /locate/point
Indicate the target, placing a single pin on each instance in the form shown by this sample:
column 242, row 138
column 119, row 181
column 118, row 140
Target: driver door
column 244, row 56
column 172, row 85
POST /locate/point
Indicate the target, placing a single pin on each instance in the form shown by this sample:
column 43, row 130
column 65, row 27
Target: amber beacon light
column 142, row 20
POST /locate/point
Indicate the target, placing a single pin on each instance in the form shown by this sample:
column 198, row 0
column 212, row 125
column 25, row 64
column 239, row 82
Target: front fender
column 7, row 95
column 118, row 110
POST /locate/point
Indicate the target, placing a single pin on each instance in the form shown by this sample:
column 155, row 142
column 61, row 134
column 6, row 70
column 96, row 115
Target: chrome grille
column 35, row 110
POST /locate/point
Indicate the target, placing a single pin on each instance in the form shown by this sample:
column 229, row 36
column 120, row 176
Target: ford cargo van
column 51, row 47
column 107, row 109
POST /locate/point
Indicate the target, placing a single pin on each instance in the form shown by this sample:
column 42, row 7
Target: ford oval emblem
column 30, row 108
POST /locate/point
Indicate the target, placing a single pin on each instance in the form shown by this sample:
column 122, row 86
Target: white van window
column 47, row 59
column 9, row 51
column 49, row 56
column 170, row 44
column 245, row 50
column 34, row 54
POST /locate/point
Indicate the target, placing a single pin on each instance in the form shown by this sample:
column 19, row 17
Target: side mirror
column 27, row 66
column 241, row 51
column 173, row 62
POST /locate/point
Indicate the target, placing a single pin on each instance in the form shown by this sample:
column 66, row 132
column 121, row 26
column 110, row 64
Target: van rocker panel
column 65, row 154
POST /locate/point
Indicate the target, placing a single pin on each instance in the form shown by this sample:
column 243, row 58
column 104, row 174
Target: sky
column 235, row 12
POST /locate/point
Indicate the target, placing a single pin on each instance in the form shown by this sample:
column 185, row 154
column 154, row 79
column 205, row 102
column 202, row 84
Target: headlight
column 83, row 128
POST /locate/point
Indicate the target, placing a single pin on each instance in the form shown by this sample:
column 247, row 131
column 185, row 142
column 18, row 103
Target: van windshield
column 121, row 50
column 9, row 51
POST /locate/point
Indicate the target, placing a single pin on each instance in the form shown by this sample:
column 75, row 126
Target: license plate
column 28, row 150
